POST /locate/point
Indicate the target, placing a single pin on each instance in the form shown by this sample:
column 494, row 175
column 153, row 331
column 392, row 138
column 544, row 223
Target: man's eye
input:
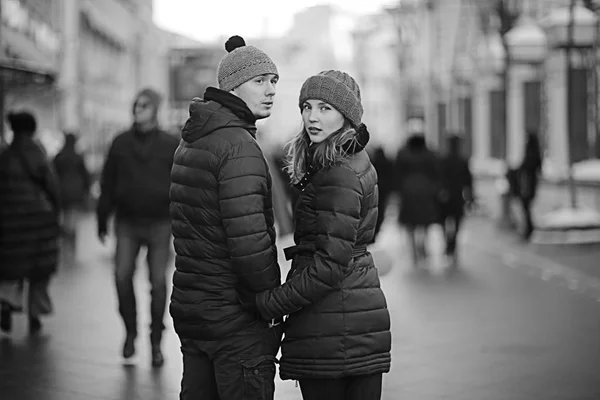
column 259, row 80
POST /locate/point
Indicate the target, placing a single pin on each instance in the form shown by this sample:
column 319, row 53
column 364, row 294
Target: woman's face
column 320, row 120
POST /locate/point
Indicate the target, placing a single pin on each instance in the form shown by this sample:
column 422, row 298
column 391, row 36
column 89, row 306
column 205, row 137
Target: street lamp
column 527, row 42
column 571, row 27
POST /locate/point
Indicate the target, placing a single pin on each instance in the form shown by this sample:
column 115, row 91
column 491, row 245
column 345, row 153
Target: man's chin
column 263, row 114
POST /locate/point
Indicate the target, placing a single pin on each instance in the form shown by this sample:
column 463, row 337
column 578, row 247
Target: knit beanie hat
column 242, row 63
column 338, row 89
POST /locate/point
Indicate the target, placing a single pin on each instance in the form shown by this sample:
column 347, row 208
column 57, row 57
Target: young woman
column 29, row 209
column 337, row 333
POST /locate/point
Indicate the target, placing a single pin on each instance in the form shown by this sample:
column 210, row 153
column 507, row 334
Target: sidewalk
column 580, row 258
column 574, row 266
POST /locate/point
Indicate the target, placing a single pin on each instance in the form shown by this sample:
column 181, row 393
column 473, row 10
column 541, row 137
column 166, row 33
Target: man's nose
column 270, row 91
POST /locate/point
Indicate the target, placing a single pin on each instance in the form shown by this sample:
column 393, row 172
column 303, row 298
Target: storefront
column 29, row 49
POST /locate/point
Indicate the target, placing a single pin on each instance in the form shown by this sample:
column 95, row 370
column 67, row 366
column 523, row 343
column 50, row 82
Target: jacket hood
column 218, row 109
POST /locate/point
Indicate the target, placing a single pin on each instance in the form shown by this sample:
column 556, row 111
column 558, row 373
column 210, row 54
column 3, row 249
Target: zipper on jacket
column 296, row 383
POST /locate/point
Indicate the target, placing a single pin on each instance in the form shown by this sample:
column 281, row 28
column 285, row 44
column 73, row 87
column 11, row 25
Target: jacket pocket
column 259, row 377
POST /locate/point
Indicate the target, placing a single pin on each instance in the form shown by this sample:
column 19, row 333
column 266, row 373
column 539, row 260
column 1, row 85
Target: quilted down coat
column 338, row 323
column 223, row 223
column 29, row 203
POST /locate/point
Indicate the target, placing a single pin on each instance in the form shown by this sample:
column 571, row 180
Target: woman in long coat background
column 417, row 174
column 29, row 230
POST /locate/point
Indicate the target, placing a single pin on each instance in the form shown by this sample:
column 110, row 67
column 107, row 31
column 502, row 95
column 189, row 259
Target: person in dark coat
column 74, row 180
column 384, row 168
column 223, row 224
column 417, row 174
column 135, row 187
column 29, row 230
column 457, row 192
column 528, row 179
column 337, row 333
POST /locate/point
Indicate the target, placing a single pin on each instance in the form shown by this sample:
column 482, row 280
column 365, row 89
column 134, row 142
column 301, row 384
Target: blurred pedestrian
column 223, row 224
column 457, row 193
column 29, row 230
column 417, row 174
column 337, row 333
column 384, row 167
column 135, row 185
column 528, row 179
column 74, row 180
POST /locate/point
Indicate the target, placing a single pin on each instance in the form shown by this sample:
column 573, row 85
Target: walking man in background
column 456, row 194
column 74, row 181
column 221, row 203
column 135, row 185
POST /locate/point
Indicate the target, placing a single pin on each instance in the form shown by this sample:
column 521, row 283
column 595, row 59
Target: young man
column 224, row 235
column 135, row 184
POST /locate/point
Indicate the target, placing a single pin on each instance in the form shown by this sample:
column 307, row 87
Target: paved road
column 501, row 327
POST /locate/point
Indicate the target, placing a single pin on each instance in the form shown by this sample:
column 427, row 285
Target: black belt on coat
column 290, row 252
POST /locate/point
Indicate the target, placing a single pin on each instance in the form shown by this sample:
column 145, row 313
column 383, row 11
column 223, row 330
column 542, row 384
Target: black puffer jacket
column 222, row 221
column 338, row 323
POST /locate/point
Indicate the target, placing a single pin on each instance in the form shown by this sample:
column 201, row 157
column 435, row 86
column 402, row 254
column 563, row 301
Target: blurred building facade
column 112, row 49
column 30, row 59
column 453, row 56
column 381, row 73
column 77, row 64
column 318, row 39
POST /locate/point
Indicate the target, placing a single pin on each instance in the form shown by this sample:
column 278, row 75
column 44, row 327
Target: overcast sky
column 208, row 20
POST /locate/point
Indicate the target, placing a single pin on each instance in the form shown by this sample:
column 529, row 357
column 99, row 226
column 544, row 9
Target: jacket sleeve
column 50, row 182
column 338, row 197
column 243, row 202
column 107, row 188
column 85, row 174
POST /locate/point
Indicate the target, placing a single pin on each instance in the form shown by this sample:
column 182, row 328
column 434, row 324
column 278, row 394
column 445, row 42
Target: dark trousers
column 528, row 220
column 363, row 387
column 239, row 367
column 131, row 236
column 417, row 235
column 451, row 226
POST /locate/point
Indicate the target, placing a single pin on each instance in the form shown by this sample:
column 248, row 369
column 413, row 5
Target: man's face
column 143, row 112
column 258, row 94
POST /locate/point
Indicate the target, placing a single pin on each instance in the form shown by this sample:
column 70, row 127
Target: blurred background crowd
column 490, row 71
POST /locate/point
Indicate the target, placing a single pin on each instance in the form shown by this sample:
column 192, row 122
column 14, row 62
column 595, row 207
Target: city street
column 510, row 323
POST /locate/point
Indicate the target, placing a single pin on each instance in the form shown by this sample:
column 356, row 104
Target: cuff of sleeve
column 261, row 304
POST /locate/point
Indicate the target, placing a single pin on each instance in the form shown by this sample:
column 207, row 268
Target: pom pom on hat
column 234, row 42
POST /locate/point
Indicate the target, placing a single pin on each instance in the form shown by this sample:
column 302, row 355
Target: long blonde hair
column 301, row 153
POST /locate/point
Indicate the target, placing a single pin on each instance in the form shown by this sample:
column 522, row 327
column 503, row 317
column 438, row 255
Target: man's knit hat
column 338, row 89
column 242, row 63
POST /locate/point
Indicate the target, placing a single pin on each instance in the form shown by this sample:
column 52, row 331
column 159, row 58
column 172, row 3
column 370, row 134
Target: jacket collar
column 234, row 103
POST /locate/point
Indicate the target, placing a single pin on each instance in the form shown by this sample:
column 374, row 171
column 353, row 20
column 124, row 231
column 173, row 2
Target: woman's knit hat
column 242, row 63
column 338, row 89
